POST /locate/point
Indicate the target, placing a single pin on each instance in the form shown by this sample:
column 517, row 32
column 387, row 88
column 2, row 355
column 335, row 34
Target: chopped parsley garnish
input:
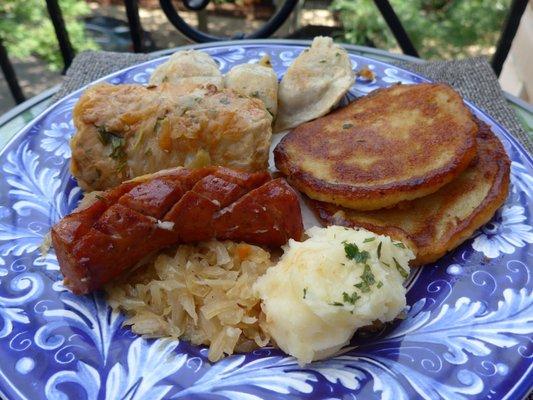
column 165, row 79
column 336, row 304
column 363, row 287
column 224, row 101
column 379, row 250
column 148, row 152
column 305, row 292
column 117, row 148
column 122, row 164
column 384, row 263
column 350, row 298
column 367, row 280
column 347, row 126
column 399, row 244
column 353, row 253
column 117, row 145
column 379, row 285
column 322, row 61
column 255, row 94
column 400, row 269
column 104, row 135
column 99, row 197
column 370, row 239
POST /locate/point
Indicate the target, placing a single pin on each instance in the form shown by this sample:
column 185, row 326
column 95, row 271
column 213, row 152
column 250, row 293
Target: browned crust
column 424, row 242
column 373, row 196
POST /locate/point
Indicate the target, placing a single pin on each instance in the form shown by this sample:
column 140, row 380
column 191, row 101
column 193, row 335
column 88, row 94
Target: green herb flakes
column 347, row 126
column 117, row 143
column 367, row 280
column 400, row 269
column 99, row 197
column 350, row 299
column 224, row 101
column 117, row 148
column 353, row 253
column 255, row 94
column 399, row 245
column 121, row 166
column 336, row 304
column 104, row 135
column 370, row 239
column 305, row 292
column 363, row 287
column 379, row 250
column 379, row 285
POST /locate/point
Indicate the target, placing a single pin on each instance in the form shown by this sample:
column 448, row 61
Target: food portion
column 123, row 131
column 440, row 222
column 329, row 285
column 396, row 144
column 314, row 83
column 199, row 293
column 189, row 67
column 255, row 80
column 398, row 177
column 129, row 223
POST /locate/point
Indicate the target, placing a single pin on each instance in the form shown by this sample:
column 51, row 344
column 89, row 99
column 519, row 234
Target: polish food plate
column 466, row 332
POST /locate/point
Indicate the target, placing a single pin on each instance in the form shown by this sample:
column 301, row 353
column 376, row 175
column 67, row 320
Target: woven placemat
column 472, row 77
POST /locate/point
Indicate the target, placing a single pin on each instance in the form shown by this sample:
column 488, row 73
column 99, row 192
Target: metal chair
column 271, row 26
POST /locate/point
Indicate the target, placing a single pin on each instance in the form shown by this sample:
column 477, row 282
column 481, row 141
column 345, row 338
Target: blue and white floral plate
column 468, row 333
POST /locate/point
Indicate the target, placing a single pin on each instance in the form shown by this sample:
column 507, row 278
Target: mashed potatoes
column 326, row 287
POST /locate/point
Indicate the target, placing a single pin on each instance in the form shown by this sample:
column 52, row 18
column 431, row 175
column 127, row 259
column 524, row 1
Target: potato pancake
column 396, row 144
column 438, row 223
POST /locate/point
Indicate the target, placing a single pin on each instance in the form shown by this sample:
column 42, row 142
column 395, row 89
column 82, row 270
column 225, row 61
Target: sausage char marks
column 140, row 217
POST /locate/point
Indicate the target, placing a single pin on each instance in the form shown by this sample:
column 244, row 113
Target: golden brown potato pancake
column 396, row 144
column 436, row 224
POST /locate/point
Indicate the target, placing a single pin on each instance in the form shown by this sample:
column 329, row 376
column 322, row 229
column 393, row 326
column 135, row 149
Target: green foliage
column 438, row 28
column 26, row 29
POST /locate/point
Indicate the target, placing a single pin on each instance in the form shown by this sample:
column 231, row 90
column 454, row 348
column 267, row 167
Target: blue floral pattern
column 469, row 321
column 505, row 233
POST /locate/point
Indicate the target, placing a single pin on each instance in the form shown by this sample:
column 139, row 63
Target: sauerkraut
column 201, row 293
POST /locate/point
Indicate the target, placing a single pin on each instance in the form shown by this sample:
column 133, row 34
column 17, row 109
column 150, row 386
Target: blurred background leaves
column 439, row 29
column 26, row 29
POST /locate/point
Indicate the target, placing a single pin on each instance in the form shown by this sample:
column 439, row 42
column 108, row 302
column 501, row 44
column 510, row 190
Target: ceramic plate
column 467, row 333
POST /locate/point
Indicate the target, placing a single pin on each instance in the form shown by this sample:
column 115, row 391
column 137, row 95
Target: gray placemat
column 472, row 77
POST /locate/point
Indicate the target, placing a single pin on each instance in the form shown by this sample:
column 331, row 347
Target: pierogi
column 188, row 66
column 315, row 82
column 255, row 80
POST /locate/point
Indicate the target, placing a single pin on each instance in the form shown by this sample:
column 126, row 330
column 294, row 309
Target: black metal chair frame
column 272, row 25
